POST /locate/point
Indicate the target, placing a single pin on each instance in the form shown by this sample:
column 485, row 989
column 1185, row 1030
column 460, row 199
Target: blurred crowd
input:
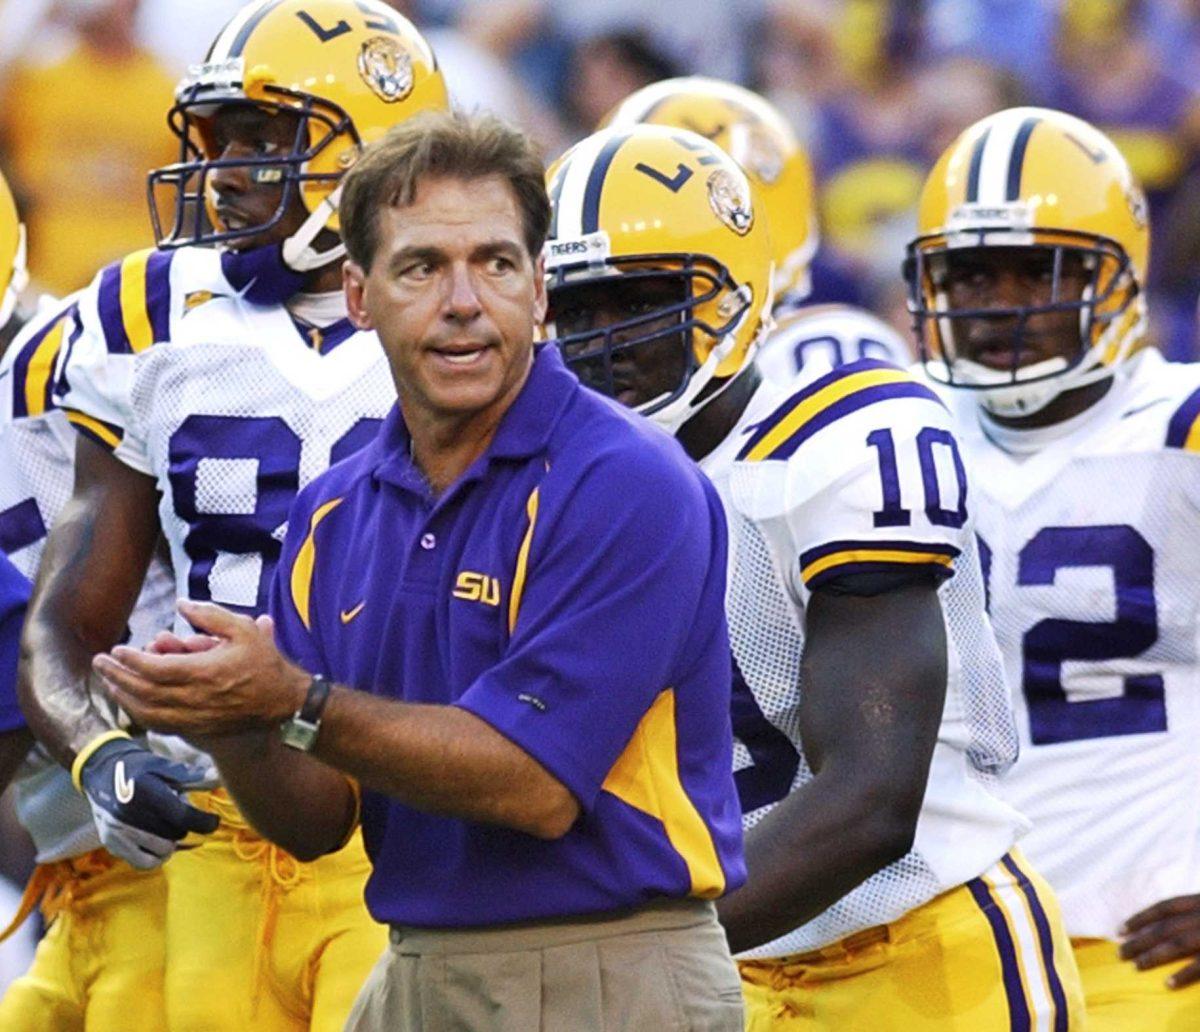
column 875, row 88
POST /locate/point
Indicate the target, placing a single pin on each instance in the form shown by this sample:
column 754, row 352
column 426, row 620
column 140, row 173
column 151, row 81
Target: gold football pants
column 1120, row 998
column 989, row 956
column 100, row 965
column 258, row 940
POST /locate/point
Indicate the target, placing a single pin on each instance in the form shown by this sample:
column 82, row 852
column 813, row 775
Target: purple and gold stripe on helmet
column 1016, row 161
column 21, row 525
column 1019, row 1019
column 107, row 434
column 838, row 558
column 239, row 41
column 1045, row 941
column 595, row 184
column 33, row 368
column 976, row 166
column 134, row 301
column 1183, row 431
column 845, row 390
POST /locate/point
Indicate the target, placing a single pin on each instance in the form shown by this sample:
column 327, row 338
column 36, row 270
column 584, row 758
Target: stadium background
column 874, row 88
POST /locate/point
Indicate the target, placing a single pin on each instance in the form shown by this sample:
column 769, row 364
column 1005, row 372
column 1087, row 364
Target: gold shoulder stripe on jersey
column 835, row 396
column 134, row 311
column 41, row 366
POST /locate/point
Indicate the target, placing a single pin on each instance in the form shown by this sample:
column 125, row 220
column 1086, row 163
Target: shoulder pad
column 827, row 399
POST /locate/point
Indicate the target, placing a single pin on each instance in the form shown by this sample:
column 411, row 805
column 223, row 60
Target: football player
column 759, row 138
column 869, row 703
column 84, row 892
column 207, row 385
column 1026, row 282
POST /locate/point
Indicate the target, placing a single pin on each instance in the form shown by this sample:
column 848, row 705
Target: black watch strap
column 314, row 700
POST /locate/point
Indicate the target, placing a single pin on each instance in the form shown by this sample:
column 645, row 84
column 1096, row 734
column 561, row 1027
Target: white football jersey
column 231, row 406
column 828, row 335
column 37, row 464
column 1090, row 535
column 856, row 470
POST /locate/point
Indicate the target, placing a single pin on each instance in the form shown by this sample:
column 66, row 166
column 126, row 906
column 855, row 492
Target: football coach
column 497, row 638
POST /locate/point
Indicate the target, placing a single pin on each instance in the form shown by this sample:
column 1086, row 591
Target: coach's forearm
column 442, row 759
column 292, row 799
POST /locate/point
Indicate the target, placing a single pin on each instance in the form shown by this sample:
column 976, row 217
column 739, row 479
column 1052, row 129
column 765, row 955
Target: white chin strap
column 671, row 417
column 17, row 282
column 297, row 249
column 1007, row 399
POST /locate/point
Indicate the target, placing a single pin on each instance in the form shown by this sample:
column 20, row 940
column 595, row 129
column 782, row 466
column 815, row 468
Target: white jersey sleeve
column 836, row 334
column 857, row 472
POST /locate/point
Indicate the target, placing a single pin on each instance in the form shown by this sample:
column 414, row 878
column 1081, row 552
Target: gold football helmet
column 350, row 69
column 758, row 138
column 1032, row 177
column 13, row 275
column 651, row 204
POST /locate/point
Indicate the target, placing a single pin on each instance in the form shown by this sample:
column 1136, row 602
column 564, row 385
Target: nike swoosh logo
column 122, row 786
column 350, row 614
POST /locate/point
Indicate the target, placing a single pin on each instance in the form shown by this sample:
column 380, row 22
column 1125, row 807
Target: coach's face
column 454, row 296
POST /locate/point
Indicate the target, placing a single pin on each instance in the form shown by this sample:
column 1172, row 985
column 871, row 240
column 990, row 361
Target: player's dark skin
column 1169, row 931
column 1009, row 277
column 868, row 730
column 14, row 747
column 98, row 551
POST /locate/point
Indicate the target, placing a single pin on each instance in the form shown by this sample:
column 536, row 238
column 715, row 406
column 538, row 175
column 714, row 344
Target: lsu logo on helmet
column 386, row 68
column 730, row 201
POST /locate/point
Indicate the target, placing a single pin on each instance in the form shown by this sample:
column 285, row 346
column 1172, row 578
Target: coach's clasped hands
column 227, row 678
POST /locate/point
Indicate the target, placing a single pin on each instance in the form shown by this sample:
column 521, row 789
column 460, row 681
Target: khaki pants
column 664, row 967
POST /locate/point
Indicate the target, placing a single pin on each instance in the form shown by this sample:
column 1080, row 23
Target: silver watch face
column 298, row 734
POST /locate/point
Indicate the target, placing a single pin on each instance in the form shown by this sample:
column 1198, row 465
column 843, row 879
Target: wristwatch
column 299, row 731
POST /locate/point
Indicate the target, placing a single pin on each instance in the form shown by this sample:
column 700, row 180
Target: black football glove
column 138, row 803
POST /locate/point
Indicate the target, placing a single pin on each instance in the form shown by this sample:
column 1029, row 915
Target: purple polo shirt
column 14, row 594
column 568, row 590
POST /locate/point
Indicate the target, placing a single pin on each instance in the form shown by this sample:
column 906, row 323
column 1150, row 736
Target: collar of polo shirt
column 524, row 429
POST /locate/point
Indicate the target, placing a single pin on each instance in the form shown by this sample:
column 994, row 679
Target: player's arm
column 92, row 569
column 874, row 675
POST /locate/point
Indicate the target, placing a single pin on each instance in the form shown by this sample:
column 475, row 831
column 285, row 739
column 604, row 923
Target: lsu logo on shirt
column 477, row 587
